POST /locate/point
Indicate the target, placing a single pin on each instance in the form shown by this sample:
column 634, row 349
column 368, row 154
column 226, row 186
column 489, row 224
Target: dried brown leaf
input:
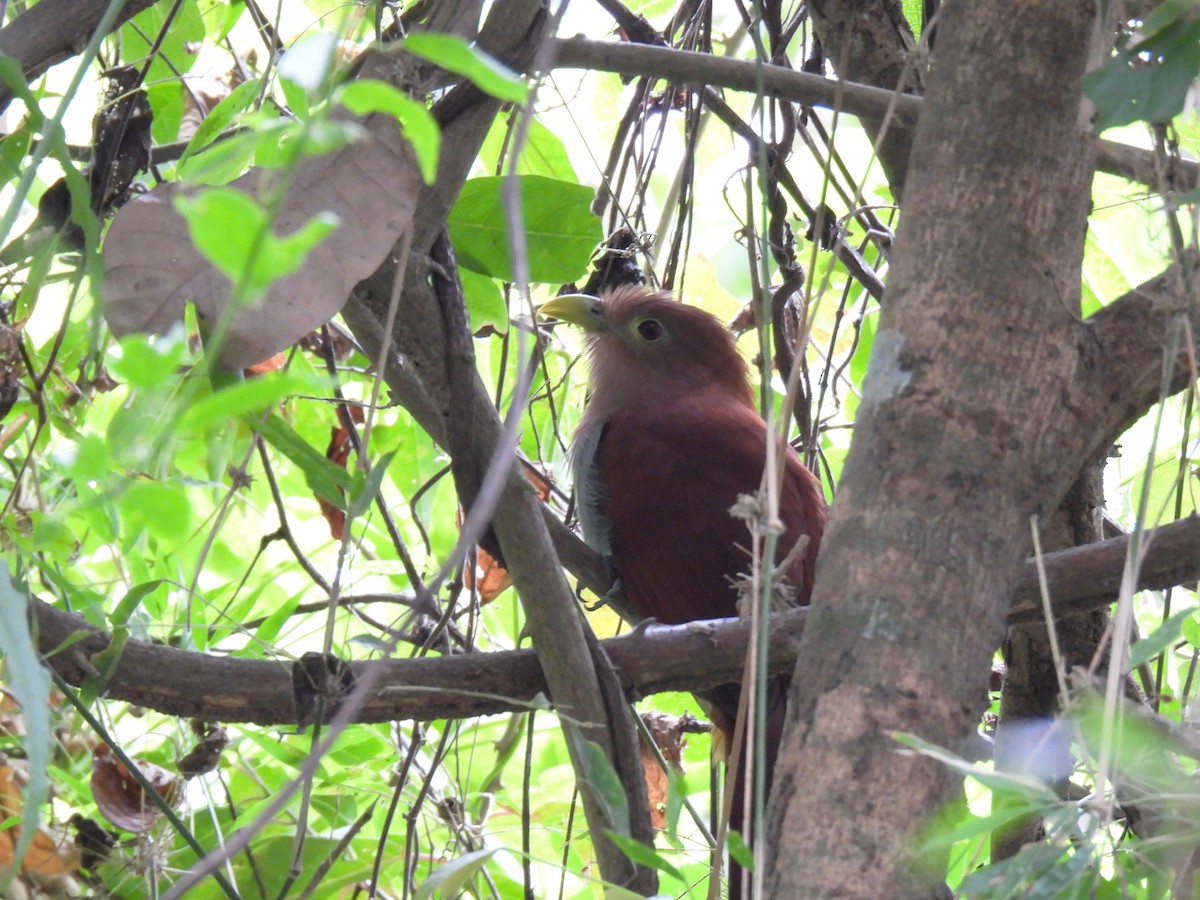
column 152, row 268
column 121, row 799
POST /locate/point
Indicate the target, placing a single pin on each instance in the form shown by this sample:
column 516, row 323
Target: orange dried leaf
column 338, row 452
column 270, row 364
column 667, row 732
column 44, row 856
column 656, row 787
column 493, row 579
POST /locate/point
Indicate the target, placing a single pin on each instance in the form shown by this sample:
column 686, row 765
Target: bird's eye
column 649, row 330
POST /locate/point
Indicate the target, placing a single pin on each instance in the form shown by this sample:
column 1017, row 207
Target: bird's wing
column 588, row 489
column 669, row 475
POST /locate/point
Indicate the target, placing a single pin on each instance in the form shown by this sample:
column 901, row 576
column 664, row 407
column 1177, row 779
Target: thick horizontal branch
column 1127, row 345
column 650, row 660
column 184, row 683
column 864, row 101
column 1089, row 576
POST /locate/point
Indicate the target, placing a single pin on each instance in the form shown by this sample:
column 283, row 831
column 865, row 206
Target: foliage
column 164, row 499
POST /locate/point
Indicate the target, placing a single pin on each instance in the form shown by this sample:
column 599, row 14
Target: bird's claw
column 612, row 594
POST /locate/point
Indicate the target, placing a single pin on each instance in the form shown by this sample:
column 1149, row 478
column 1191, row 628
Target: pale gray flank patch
column 588, row 490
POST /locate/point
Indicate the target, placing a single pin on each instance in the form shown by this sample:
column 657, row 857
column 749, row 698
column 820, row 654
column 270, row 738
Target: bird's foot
column 611, row 597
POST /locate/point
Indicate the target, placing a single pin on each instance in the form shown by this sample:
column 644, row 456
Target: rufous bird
column 669, row 440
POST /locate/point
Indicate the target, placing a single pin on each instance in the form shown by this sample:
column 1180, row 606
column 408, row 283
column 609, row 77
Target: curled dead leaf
column 121, row 798
column 205, row 756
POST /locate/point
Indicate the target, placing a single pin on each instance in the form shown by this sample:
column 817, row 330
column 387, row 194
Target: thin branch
column 864, row 101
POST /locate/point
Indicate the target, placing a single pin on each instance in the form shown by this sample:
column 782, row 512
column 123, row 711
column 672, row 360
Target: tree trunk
column 965, row 431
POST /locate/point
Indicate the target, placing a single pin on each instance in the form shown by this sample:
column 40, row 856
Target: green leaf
column 239, row 100
column 221, row 162
column 371, row 642
column 366, row 488
column 146, row 361
column 13, row 149
column 132, row 600
column 1163, row 637
column 560, row 230
column 226, row 18
column 600, row 775
column 29, row 683
column 276, row 139
column 249, row 396
column 452, row 878
column 1148, row 81
column 104, row 665
column 326, row 479
column 297, row 98
column 862, row 352
column 270, row 628
column 541, row 153
column 485, row 302
column 233, row 232
column 452, row 52
column 1191, row 630
column 977, row 826
column 677, row 792
column 175, row 55
column 639, row 853
column 420, row 128
column 739, row 852
column 156, row 507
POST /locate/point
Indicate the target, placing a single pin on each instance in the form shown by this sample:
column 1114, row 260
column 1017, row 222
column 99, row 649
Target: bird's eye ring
column 650, row 330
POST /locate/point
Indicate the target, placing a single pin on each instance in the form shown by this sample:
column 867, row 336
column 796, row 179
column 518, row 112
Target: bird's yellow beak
column 583, row 310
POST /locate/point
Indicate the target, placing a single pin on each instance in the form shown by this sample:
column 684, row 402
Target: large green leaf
column 541, row 153
column 1148, row 81
column 29, row 683
column 560, row 230
column 453, row 878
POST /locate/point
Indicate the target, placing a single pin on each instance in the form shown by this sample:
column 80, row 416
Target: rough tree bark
column 870, row 42
column 968, row 427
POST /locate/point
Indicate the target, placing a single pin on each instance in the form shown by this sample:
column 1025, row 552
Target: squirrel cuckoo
column 668, row 441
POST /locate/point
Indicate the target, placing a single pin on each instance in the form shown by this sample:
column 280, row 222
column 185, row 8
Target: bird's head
column 645, row 346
